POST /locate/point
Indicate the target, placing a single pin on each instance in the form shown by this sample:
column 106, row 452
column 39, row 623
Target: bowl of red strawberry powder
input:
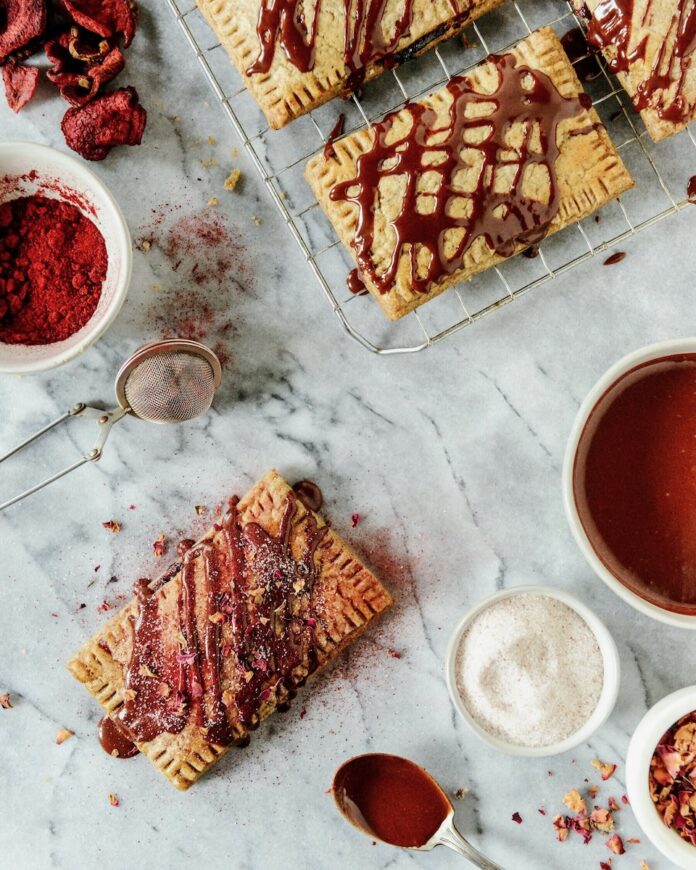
column 65, row 257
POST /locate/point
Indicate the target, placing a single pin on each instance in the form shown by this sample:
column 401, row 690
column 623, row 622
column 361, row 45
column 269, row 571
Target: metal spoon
column 446, row 835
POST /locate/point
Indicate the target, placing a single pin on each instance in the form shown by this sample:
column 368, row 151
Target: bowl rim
column 658, row 719
column 610, row 687
column 122, row 240
column 644, row 354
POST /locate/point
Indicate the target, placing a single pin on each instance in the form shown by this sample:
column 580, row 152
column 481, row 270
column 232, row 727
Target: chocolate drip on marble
column 428, row 222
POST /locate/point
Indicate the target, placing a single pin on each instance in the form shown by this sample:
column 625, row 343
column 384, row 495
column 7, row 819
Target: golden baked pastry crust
column 285, row 92
column 346, row 597
column 588, row 170
column 653, row 36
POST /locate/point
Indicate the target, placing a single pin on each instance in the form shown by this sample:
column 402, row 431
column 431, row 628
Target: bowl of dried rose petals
column 661, row 776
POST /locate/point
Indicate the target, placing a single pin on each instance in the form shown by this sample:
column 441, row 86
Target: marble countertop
column 452, row 457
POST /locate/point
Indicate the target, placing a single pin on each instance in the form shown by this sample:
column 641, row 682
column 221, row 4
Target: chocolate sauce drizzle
column 662, row 89
column 257, row 633
column 285, row 22
column 524, row 104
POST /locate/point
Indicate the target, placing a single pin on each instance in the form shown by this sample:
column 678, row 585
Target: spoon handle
column 454, row 840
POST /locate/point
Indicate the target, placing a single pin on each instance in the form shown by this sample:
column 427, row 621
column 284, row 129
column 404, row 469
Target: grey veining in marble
column 452, row 458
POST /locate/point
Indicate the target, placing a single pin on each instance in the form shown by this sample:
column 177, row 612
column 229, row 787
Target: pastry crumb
column 232, row 179
column 206, row 164
column 213, row 201
column 257, row 220
column 235, row 153
column 63, row 735
column 6, row 701
column 114, row 800
column 212, row 140
column 112, row 526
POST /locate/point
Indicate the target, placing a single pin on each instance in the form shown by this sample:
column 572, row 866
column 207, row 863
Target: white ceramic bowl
column 645, row 738
column 608, row 379
column 607, row 698
column 26, row 169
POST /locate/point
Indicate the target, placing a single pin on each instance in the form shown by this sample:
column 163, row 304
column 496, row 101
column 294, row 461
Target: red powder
column 53, row 263
column 207, row 257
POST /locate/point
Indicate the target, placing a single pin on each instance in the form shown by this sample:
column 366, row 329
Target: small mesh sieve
column 164, row 382
column 168, row 381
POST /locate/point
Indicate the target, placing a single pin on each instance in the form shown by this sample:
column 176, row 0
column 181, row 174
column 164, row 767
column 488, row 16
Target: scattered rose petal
column 104, row 607
column 613, row 806
column 575, row 802
column 616, row 845
column 633, row 840
column 186, row 657
column 561, row 827
column 6, row 701
column 605, row 865
column 145, row 671
column 516, row 817
column 624, row 799
column 354, row 520
column 541, row 811
column 114, row 800
column 201, row 510
column 303, row 712
column 112, row 526
column 602, row 820
column 216, row 617
column 196, row 690
column 164, row 690
column 606, row 769
column 393, row 653
column 159, row 546
column 63, row 735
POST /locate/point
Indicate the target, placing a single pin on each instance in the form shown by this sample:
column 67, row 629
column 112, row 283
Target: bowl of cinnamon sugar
column 65, row 258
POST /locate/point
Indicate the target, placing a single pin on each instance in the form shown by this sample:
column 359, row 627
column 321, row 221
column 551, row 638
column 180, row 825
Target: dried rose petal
column 602, row 820
column 186, row 658
column 114, row 800
column 145, row 671
column 164, row 690
column 159, row 546
column 196, row 689
column 393, row 653
column 605, row 865
column 516, row 817
column 111, row 119
column 541, row 811
column 20, row 84
column 63, row 735
column 6, row 701
column 21, row 21
column 575, row 802
column 112, row 526
column 354, row 520
column 105, row 17
column 201, row 510
column 616, row 845
column 606, row 769
column 624, row 799
column 104, row 607
column 561, row 827
column 613, row 806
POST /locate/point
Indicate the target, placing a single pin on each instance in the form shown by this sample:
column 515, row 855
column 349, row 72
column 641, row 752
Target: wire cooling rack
column 661, row 172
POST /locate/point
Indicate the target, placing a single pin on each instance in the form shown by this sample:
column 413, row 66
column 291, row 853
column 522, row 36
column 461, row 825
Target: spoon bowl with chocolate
column 392, row 799
column 629, row 480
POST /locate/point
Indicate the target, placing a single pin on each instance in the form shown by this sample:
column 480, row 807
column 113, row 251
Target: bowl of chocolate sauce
column 629, row 480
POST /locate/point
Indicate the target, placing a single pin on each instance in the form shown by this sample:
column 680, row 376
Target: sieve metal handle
column 105, row 421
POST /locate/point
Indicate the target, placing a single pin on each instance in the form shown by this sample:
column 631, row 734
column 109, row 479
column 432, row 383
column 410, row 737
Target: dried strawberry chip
column 112, row 119
column 77, row 80
column 21, row 21
column 20, row 84
column 105, row 17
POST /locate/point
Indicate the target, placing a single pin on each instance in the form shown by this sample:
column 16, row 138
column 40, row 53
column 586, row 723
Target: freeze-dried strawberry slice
column 80, row 70
column 112, row 119
column 21, row 21
column 105, row 17
column 20, row 84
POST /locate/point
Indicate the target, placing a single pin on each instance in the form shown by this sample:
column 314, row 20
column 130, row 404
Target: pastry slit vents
column 480, row 133
column 266, row 599
column 478, row 171
column 651, row 47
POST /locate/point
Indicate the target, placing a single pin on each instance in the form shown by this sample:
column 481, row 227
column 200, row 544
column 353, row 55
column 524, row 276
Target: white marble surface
column 452, row 457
